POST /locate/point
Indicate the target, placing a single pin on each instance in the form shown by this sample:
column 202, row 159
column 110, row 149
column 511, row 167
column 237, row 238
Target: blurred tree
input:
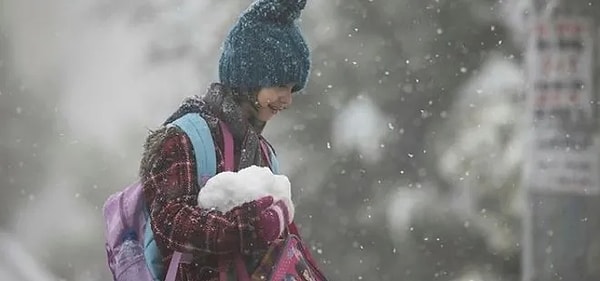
column 478, row 152
column 409, row 58
column 25, row 123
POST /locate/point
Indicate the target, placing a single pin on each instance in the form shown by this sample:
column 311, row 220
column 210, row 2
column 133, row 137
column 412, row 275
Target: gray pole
column 562, row 187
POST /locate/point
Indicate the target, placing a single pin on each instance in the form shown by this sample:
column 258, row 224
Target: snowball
column 227, row 190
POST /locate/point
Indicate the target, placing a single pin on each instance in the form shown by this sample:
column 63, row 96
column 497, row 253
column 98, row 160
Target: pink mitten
column 274, row 219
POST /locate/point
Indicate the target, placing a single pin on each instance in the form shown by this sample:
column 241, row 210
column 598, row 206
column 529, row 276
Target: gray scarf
column 220, row 104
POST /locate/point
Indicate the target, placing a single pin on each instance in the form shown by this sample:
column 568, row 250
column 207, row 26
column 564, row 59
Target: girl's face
column 272, row 100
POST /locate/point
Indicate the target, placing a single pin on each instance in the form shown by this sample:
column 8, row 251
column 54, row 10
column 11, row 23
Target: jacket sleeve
column 177, row 222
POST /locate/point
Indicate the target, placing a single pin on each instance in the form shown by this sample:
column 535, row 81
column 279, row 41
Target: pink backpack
column 288, row 260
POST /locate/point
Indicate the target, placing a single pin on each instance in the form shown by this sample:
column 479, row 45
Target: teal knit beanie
column 265, row 48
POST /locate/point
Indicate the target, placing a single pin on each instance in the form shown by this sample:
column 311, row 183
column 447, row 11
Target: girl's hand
column 274, row 219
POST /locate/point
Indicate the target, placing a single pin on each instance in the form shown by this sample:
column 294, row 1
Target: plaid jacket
column 171, row 191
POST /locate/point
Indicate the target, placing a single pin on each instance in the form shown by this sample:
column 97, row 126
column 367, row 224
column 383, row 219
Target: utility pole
column 561, row 237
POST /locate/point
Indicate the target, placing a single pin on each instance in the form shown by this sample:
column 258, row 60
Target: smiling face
column 272, row 100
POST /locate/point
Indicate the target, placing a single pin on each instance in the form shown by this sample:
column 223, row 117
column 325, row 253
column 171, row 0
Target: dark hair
column 243, row 94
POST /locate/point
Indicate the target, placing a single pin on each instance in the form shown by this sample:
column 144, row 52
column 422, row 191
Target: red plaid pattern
column 171, row 190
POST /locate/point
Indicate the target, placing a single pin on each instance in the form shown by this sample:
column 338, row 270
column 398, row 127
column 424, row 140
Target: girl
column 264, row 61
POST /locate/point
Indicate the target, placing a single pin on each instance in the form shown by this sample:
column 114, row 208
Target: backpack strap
column 228, row 160
column 197, row 130
column 274, row 161
column 269, row 154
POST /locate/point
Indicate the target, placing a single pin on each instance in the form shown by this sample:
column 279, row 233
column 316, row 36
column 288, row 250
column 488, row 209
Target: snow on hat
column 265, row 48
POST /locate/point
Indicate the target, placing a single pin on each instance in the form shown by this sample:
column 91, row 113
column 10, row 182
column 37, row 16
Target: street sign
column 562, row 155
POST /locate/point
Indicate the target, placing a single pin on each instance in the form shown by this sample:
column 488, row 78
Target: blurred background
column 405, row 153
